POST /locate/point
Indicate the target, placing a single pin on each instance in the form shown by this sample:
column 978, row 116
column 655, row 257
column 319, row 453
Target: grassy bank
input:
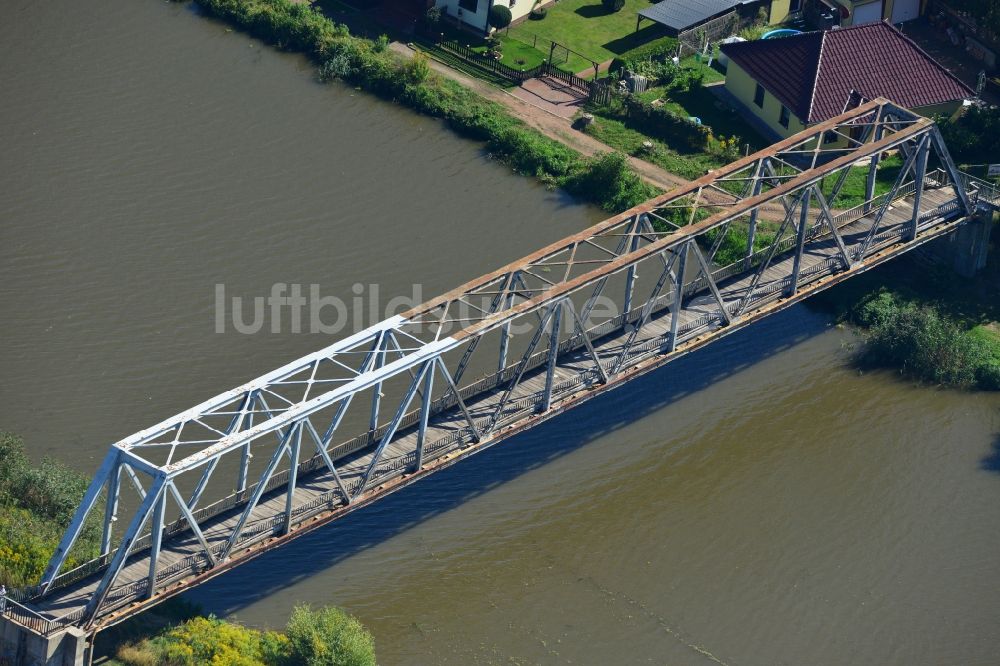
column 328, row 636
column 36, row 506
column 369, row 65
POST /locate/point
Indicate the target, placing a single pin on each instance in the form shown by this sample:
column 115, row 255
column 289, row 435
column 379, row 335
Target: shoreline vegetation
column 323, row 637
column 606, row 180
column 37, row 504
column 924, row 321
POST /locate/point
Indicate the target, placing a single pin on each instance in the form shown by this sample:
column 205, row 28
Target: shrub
column 922, row 342
column 209, row 640
column 613, row 5
column 974, row 137
column 328, row 637
column 416, row 69
column 321, row 638
column 660, row 49
column 135, row 655
column 538, row 13
column 666, row 73
column 500, row 16
column 727, row 150
column 36, row 505
column 656, row 121
column 610, row 174
column 432, row 21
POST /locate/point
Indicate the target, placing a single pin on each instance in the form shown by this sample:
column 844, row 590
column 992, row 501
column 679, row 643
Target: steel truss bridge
column 251, row 468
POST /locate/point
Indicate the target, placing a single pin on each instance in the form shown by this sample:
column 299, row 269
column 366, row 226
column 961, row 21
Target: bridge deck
column 318, row 492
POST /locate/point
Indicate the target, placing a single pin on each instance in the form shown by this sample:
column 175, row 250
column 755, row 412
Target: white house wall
column 519, row 9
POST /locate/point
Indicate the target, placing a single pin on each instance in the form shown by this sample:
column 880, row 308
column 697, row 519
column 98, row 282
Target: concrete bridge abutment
column 20, row 646
column 966, row 249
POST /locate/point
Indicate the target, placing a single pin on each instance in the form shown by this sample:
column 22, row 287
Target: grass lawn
column 712, row 75
column 516, row 54
column 519, row 55
column 586, row 27
column 701, row 103
column 853, row 192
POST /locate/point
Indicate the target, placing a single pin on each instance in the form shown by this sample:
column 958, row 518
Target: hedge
column 677, row 131
column 660, row 49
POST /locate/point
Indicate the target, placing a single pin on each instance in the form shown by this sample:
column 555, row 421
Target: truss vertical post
column 111, row 460
column 377, row 391
column 918, row 184
column 521, row 366
column 873, row 166
column 758, row 185
column 550, row 370
column 241, row 484
column 156, row 541
column 647, row 311
column 950, row 168
column 111, row 506
column 505, row 329
column 675, row 314
column 293, row 473
column 800, row 241
column 425, row 411
column 631, row 274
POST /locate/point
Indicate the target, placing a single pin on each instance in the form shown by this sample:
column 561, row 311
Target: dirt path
column 558, row 128
column 547, row 123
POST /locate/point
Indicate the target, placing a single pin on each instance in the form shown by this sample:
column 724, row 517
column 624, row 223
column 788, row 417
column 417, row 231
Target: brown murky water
column 758, row 502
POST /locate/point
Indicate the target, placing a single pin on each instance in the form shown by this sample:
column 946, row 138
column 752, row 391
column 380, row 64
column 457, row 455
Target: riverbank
column 607, row 180
column 37, row 504
column 324, row 636
column 925, row 321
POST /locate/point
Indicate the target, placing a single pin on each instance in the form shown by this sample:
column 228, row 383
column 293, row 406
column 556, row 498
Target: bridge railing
column 978, row 189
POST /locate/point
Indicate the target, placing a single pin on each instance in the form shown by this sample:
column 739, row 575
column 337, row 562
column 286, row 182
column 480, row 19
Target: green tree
column 974, row 138
column 500, row 17
column 328, row 637
column 613, row 5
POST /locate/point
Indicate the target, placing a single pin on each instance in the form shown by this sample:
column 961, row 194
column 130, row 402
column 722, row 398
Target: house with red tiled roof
column 790, row 83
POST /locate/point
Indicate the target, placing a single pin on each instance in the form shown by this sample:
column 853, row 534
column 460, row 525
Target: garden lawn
column 712, row 75
column 701, row 103
column 586, row 27
column 519, row 55
column 853, row 192
column 614, row 133
column 516, row 54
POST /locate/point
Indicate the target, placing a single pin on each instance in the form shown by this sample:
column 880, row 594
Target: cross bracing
column 338, row 428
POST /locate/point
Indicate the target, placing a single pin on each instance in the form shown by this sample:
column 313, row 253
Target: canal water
column 757, row 502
